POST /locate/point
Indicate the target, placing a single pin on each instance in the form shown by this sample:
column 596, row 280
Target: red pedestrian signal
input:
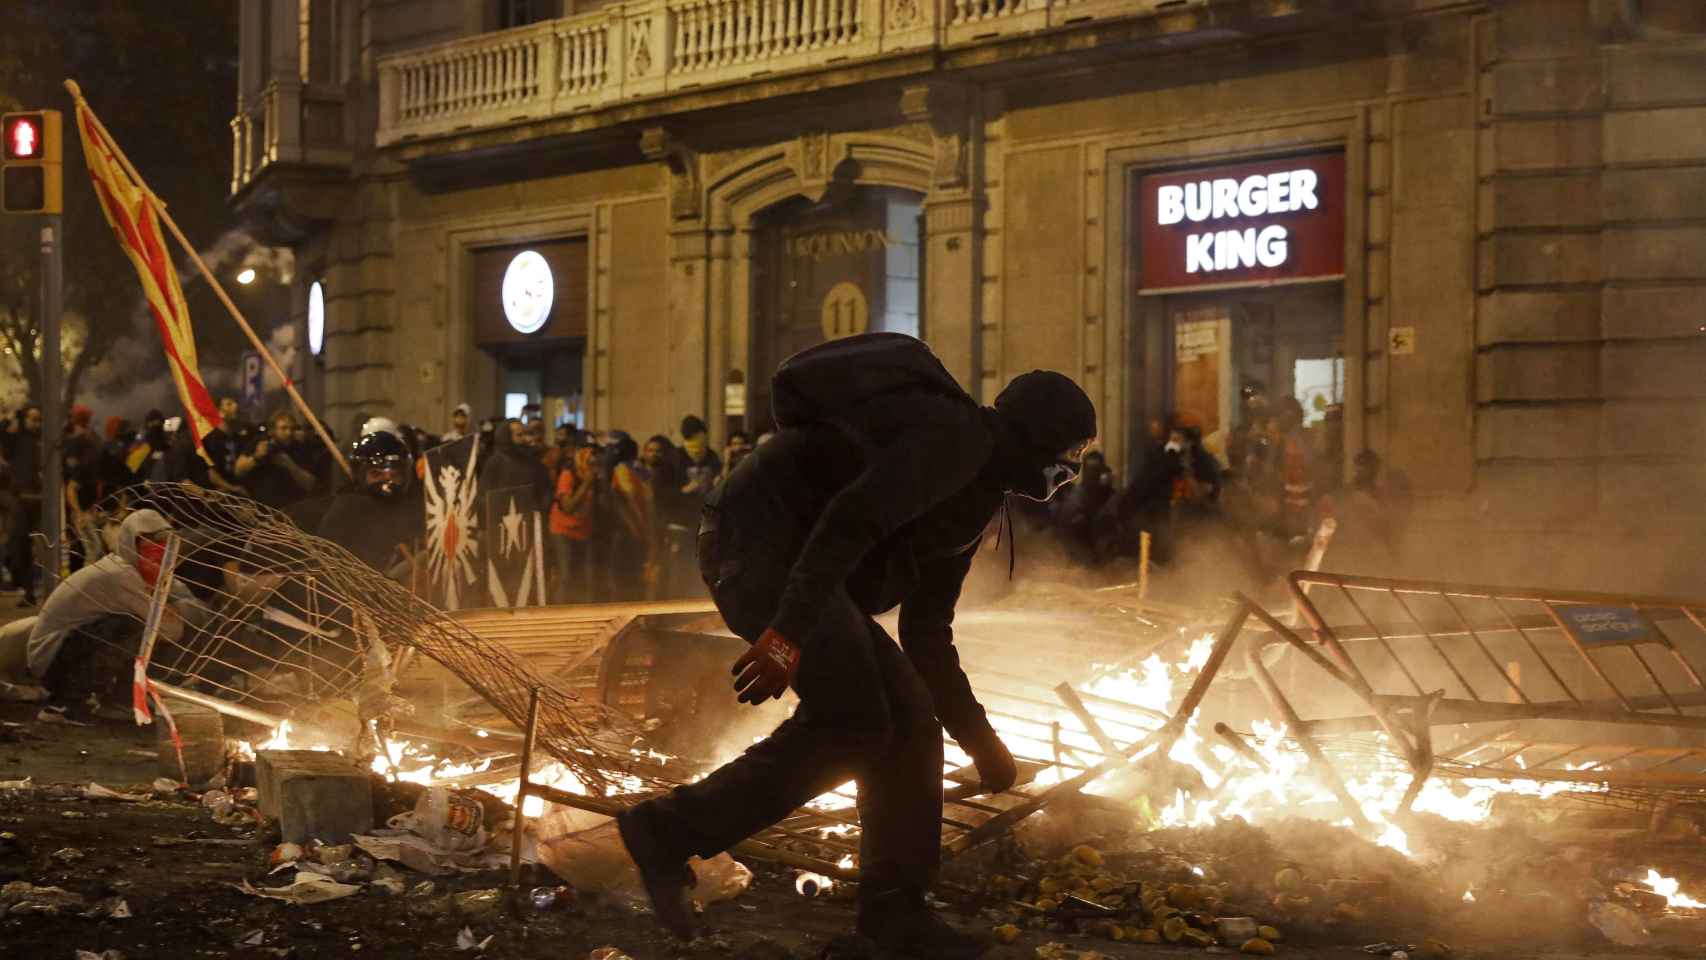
column 23, row 136
column 30, row 155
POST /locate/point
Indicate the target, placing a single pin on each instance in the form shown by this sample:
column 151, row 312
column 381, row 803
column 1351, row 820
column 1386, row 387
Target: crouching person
column 82, row 644
column 875, row 494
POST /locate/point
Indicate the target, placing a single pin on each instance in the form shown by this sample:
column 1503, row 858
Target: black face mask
column 1040, row 481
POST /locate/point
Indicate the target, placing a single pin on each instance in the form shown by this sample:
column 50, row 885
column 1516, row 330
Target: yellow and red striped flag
column 130, row 208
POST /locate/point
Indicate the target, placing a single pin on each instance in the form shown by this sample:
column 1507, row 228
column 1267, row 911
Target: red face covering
column 149, row 555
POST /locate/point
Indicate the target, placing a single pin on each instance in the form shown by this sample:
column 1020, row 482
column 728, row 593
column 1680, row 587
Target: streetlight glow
column 247, row 276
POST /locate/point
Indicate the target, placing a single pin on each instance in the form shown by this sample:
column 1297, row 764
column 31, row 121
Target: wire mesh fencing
column 279, row 621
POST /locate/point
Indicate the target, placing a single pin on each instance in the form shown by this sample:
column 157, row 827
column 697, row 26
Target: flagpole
column 212, row 281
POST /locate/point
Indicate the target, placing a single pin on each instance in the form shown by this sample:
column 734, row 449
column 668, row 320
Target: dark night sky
column 163, row 77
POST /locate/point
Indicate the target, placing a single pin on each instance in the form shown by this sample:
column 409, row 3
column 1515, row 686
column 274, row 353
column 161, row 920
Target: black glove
column 995, row 766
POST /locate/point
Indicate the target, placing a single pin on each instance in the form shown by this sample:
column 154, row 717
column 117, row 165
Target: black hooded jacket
column 512, row 465
column 892, row 504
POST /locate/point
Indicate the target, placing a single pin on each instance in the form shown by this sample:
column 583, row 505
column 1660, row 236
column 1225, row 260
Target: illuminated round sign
column 316, row 318
column 527, row 292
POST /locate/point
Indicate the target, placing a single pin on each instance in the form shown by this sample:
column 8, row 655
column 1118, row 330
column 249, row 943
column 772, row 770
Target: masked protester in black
column 385, row 508
column 810, row 538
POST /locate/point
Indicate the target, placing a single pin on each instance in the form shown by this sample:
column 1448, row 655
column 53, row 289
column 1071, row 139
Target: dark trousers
column 20, row 549
column 864, row 715
column 571, row 569
column 94, row 661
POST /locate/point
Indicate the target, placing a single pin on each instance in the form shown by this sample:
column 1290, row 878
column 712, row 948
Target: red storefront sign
column 1264, row 222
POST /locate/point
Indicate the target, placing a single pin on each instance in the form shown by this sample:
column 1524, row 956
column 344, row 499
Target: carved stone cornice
column 946, row 109
column 657, row 143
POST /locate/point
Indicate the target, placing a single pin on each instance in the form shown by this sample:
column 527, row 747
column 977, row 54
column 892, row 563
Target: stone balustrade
column 291, row 123
column 650, row 48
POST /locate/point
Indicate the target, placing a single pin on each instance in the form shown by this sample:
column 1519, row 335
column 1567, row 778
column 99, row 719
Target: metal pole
column 523, row 788
column 52, row 401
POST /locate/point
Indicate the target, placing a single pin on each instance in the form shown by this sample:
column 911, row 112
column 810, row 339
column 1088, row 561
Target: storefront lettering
column 834, row 243
column 1262, row 221
column 1231, row 249
column 1226, row 197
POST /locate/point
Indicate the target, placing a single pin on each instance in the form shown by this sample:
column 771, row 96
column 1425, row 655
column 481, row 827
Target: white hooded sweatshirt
column 111, row 585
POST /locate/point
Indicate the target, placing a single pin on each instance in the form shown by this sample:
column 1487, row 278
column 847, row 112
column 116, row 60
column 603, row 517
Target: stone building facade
column 1498, row 286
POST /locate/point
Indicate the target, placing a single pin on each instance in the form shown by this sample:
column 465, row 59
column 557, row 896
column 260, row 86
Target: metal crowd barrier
column 1534, row 683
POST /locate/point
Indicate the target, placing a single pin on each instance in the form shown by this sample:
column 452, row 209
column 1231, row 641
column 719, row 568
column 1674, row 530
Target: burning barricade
column 1245, row 782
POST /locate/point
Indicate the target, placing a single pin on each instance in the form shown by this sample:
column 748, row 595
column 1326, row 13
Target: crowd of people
column 1264, row 487
column 274, row 463
column 620, row 517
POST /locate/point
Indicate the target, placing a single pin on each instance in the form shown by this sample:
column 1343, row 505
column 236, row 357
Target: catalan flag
column 130, row 208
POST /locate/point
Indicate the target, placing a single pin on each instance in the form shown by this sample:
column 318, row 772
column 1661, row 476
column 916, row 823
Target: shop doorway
column 850, row 264
column 544, row 379
column 1226, row 365
column 530, row 318
column 1233, row 360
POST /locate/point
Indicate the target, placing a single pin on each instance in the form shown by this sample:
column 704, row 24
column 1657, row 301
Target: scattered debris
column 1618, row 923
column 422, row 856
column 350, row 870
column 253, row 938
column 20, row 898
column 22, row 692
column 308, row 888
column 285, row 854
column 66, row 855
column 551, row 898
column 226, row 810
column 109, row 954
column 387, row 880
column 477, row 903
column 113, row 908
column 200, row 841
column 592, row 859
column 608, row 953
column 447, row 819
column 57, row 715
column 465, row 941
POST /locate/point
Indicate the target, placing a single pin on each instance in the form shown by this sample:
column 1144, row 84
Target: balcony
column 289, row 124
column 654, row 48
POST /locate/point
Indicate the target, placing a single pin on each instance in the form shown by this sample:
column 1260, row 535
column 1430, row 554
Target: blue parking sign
column 1595, row 626
column 251, row 378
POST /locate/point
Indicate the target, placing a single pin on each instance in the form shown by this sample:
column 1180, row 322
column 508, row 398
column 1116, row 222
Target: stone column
column 952, row 226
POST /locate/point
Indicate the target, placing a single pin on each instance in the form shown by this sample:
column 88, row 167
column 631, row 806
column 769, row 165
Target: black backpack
column 820, row 384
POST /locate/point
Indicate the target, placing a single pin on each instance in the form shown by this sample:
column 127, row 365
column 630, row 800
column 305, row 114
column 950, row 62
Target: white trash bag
column 586, row 850
column 448, row 819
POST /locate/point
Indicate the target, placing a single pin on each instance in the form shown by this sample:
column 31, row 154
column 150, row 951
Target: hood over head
column 1048, row 411
column 1047, row 418
column 139, row 523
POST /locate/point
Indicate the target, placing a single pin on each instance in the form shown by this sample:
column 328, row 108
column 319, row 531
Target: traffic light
column 30, row 162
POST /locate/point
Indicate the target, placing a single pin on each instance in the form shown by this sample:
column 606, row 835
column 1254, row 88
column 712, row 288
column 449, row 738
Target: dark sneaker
column 667, row 880
column 908, row 928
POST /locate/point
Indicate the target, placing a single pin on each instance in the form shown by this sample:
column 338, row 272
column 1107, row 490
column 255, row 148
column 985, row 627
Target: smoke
column 135, row 377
